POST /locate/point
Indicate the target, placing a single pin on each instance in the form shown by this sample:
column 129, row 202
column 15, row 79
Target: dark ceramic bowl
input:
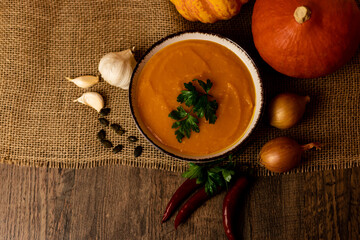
column 232, row 46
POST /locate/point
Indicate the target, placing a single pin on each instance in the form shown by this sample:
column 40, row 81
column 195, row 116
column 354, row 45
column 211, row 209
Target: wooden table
column 127, row 203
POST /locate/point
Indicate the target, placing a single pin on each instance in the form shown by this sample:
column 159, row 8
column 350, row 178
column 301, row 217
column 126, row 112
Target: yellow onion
column 286, row 110
column 282, row 154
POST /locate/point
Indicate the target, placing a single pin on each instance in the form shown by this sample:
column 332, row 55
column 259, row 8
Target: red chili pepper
column 183, row 192
column 229, row 205
column 191, row 205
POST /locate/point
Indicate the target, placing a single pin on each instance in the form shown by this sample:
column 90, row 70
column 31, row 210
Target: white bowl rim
column 249, row 64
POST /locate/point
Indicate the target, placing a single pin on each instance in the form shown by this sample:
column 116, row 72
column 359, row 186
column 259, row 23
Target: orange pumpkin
column 306, row 38
column 208, row 11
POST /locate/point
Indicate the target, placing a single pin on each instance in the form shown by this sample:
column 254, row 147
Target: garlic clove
column 116, row 68
column 92, row 99
column 84, row 81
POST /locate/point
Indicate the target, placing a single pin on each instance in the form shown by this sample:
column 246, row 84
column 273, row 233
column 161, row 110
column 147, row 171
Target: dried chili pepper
column 183, row 192
column 192, row 204
column 229, row 205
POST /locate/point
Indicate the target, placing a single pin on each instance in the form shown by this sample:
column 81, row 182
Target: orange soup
column 162, row 80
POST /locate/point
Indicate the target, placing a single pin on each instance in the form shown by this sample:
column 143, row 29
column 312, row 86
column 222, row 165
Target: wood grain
column 127, row 203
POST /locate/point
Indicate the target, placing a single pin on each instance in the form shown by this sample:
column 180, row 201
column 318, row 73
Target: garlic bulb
column 84, row 81
column 116, row 68
column 92, row 99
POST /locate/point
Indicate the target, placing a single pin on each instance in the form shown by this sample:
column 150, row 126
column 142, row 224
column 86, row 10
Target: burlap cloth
column 41, row 42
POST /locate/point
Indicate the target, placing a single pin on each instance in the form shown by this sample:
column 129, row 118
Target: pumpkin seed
column 132, row 139
column 101, row 134
column 138, row 151
column 107, row 143
column 105, row 111
column 118, row 148
column 104, row 122
column 117, row 128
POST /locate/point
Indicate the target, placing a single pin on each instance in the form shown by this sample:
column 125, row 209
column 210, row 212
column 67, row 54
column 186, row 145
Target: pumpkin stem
column 302, row 14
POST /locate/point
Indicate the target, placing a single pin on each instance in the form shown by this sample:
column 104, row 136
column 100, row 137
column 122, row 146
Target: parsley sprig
column 184, row 122
column 201, row 106
column 210, row 175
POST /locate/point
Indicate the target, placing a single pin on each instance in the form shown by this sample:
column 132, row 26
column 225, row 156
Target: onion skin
column 282, row 154
column 286, row 109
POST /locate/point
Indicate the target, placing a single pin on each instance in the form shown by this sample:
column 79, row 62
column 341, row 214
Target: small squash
column 306, row 38
column 208, row 11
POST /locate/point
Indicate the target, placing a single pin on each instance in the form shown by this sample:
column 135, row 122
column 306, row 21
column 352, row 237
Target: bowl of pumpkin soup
column 196, row 96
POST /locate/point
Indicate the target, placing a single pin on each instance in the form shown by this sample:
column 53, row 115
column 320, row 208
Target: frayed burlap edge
column 175, row 167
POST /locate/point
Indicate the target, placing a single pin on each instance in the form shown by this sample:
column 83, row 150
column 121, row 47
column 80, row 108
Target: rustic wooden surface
column 127, row 203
